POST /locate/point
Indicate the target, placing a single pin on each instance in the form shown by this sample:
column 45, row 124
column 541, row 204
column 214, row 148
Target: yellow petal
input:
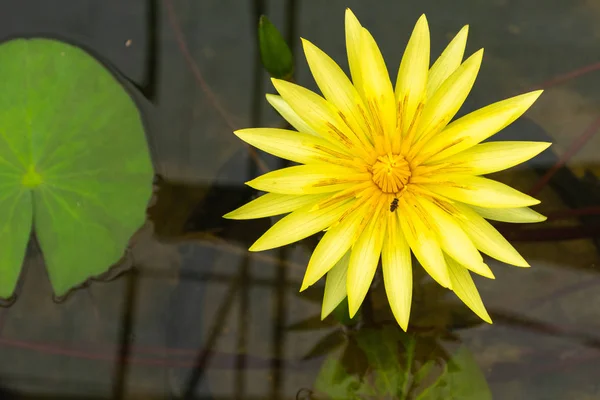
column 364, row 260
column 448, row 61
column 422, row 239
column 517, row 215
column 300, row 224
column 477, row 126
column 465, row 289
column 397, row 271
column 479, row 191
column 377, row 88
column 322, row 116
column 448, row 99
column 295, row 146
column 334, row 244
column 335, row 286
column 485, row 237
column 353, row 43
column 308, row 179
column 337, row 88
column 489, row 157
column 454, row 241
column 365, row 189
column 288, row 114
column 271, row 204
column 412, row 74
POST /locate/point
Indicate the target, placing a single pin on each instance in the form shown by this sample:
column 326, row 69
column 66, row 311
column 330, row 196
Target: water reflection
column 203, row 318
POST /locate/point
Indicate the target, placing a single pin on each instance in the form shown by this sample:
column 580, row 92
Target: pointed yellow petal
column 353, row 40
column 397, row 271
column 412, row 74
column 288, row 114
column 308, row 179
column 335, row 286
column 448, row 99
column 334, row 244
column 465, row 289
column 294, row 146
column 364, row 260
column 377, row 87
column 300, row 224
column 486, row 158
column 322, row 116
column 485, row 237
column 477, row 126
column 448, row 62
column 517, row 215
column 422, row 239
column 271, row 204
column 479, row 191
column 454, row 241
column 337, row 89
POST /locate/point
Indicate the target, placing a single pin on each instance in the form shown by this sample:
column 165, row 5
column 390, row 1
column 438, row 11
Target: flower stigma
column 391, row 173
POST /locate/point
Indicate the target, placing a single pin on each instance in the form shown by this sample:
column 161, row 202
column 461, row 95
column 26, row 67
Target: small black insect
column 394, row 204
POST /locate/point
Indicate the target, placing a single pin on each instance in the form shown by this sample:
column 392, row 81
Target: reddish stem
column 573, row 149
column 107, row 355
column 195, row 69
column 571, row 213
column 193, row 66
column 101, row 356
column 557, row 80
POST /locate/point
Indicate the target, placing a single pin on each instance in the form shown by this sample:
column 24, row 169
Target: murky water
column 199, row 317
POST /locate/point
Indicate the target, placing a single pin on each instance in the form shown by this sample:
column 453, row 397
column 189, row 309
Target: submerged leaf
column 381, row 349
column 334, row 382
column 461, row 379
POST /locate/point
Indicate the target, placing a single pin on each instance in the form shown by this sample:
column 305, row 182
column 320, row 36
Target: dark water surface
column 200, row 317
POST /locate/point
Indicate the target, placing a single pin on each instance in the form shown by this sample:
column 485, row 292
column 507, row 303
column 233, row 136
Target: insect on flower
column 394, row 204
column 366, row 145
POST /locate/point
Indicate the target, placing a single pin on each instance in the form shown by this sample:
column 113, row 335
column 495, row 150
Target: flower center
column 391, row 172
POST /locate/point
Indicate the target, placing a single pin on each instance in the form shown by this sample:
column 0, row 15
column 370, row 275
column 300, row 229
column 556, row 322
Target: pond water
column 199, row 317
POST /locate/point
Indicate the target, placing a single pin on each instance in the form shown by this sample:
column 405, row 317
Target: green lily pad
column 74, row 163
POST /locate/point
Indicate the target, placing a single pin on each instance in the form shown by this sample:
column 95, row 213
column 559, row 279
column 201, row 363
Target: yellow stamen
column 391, row 172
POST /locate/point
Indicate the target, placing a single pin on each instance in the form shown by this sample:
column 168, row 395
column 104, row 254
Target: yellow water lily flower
column 383, row 172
